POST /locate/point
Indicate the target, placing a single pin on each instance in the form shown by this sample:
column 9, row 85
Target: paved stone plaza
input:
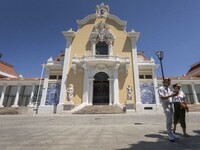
column 94, row 132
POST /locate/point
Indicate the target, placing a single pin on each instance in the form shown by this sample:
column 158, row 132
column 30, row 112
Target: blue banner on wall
column 53, row 94
column 147, row 93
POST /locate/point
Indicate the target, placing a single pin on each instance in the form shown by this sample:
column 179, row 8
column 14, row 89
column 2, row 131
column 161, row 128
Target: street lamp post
column 160, row 55
column 37, row 99
column 1, row 55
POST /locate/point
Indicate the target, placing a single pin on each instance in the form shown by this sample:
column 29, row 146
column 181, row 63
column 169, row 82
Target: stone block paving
column 94, row 132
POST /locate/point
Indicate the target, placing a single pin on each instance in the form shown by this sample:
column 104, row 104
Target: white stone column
column 3, row 95
column 134, row 36
column 17, row 97
column 32, row 95
column 44, row 92
column 91, row 81
column 116, row 88
column 155, row 84
column 110, row 91
column 110, row 50
column 93, row 50
column 194, row 94
column 86, row 87
column 69, row 35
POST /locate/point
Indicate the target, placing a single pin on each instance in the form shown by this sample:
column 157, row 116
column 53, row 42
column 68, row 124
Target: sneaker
column 171, row 138
column 175, row 136
column 186, row 135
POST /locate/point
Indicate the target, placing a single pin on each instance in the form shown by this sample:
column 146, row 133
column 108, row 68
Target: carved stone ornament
column 102, row 10
column 101, row 32
column 129, row 92
column 50, row 59
column 70, row 91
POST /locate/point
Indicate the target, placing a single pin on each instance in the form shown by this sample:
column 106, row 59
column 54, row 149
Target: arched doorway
column 101, row 89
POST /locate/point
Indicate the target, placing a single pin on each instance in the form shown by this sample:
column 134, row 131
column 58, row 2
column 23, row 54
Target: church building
column 100, row 62
column 100, row 65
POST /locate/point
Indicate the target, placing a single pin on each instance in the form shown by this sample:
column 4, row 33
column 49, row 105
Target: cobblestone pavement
column 94, row 132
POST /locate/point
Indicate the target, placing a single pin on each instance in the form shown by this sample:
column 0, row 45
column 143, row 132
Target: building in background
column 15, row 90
column 100, row 66
column 194, row 70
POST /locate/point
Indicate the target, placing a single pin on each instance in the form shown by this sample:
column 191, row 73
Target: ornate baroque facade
column 100, row 66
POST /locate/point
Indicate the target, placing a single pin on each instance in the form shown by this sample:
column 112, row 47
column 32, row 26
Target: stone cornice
column 85, row 20
column 134, row 35
column 89, row 62
column 69, row 33
column 118, row 20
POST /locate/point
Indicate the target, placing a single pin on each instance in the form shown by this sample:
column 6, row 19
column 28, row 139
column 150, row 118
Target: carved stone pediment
column 101, row 32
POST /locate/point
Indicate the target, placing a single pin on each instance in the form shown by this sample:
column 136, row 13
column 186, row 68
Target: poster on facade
column 53, row 94
column 147, row 93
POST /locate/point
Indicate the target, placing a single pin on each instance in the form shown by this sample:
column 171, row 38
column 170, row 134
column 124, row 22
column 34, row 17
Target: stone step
column 100, row 109
column 194, row 107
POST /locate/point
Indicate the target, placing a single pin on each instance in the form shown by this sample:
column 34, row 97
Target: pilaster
column 111, row 91
column 194, row 94
column 3, row 95
column 93, row 47
column 91, row 81
column 116, row 87
column 110, row 48
column 85, row 87
column 44, row 92
column 17, row 96
column 134, row 36
column 32, row 95
column 69, row 35
column 155, row 85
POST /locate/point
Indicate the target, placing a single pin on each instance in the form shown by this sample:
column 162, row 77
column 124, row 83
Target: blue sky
column 30, row 30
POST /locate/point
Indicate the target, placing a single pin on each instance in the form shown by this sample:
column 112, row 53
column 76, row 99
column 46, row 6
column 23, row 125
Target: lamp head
column 160, row 54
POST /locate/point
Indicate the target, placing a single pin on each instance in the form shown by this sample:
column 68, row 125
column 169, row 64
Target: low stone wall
column 8, row 111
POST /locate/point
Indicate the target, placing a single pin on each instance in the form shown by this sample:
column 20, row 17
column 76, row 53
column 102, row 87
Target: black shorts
column 179, row 115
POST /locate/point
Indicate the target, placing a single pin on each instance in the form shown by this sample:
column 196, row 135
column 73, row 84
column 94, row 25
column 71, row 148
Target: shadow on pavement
column 182, row 143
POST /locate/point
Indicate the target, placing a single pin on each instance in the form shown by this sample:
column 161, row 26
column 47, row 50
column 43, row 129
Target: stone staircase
column 95, row 109
column 100, row 109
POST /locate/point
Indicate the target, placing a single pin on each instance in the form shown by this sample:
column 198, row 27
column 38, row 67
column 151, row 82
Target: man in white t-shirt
column 166, row 99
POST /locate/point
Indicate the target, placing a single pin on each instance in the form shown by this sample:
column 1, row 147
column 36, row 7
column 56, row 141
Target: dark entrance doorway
column 101, row 89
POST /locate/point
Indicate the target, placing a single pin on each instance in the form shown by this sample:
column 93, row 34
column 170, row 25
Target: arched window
column 101, row 76
column 101, row 48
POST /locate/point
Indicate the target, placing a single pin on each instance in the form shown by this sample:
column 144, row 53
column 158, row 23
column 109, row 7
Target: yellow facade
column 121, row 47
